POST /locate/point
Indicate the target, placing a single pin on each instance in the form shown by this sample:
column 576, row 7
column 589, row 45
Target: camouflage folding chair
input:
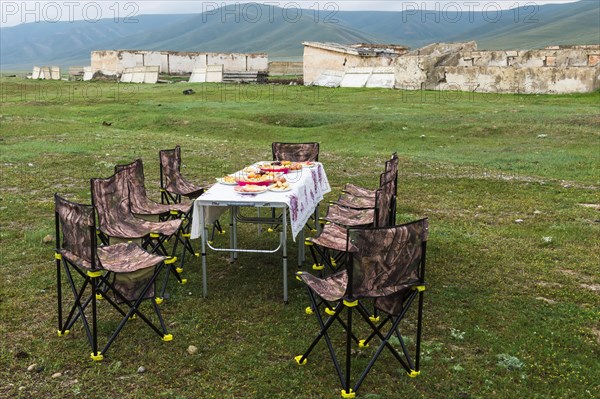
column 387, row 265
column 295, row 152
column 357, row 195
column 144, row 208
column 111, row 199
column 174, row 186
column 123, row 274
column 328, row 248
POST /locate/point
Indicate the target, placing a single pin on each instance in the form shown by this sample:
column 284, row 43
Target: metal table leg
column 235, row 240
column 300, row 241
column 231, row 232
column 284, row 243
column 203, row 239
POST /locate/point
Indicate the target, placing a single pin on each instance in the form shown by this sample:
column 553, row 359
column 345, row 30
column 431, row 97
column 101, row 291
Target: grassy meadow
column 509, row 182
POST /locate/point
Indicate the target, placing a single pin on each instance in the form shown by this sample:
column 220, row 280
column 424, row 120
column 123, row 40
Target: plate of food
column 296, row 167
column 258, row 179
column 227, row 180
column 280, row 186
column 307, row 164
column 250, row 189
column 274, row 166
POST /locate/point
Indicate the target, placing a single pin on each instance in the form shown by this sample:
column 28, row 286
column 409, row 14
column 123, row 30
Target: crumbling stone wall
column 460, row 66
column 422, row 68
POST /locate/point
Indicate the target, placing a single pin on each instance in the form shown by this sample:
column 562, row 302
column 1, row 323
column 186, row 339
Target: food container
column 255, row 183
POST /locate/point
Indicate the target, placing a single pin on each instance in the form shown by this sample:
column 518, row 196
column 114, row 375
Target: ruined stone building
column 456, row 66
column 114, row 62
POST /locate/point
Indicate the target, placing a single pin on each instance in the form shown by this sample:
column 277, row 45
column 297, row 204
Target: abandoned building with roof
column 454, row 66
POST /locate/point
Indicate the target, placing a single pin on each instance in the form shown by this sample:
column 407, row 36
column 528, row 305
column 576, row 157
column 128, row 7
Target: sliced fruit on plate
column 250, row 189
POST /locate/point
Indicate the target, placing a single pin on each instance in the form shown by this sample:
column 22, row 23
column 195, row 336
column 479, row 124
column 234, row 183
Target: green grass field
column 512, row 308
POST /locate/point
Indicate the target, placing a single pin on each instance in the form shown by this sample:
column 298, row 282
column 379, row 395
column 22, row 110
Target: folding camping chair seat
column 111, row 199
column 145, row 208
column 123, row 274
column 391, row 166
column 351, row 217
column 348, row 200
column 384, row 264
column 359, row 191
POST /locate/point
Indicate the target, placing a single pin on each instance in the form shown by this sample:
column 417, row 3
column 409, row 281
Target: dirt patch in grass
column 596, row 332
column 548, row 285
column 576, row 275
column 548, row 301
column 591, row 287
column 593, row 206
column 295, row 120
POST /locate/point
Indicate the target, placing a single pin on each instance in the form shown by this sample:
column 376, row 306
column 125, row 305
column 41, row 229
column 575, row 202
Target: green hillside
column 574, row 23
column 67, row 43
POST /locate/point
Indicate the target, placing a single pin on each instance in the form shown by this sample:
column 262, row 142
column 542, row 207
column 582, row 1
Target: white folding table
column 308, row 186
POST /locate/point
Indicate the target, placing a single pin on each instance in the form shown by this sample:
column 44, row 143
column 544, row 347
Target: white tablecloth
column 309, row 185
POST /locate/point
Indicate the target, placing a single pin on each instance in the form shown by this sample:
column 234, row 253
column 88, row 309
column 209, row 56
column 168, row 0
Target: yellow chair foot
column 167, row 337
column 298, row 358
column 179, row 269
column 313, row 230
column 270, row 230
column 222, row 232
column 362, row 344
column 413, row 373
column 99, row 297
column 329, row 311
column 183, row 281
column 97, row 357
column 197, row 254
column 158, row 300
column 309, row 311
column 318, row 267
column 170, row 260
column 374, row 319
column 348, row 395
column 62, row 334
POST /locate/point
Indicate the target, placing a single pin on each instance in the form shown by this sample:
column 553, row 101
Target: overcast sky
column 18, row 11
